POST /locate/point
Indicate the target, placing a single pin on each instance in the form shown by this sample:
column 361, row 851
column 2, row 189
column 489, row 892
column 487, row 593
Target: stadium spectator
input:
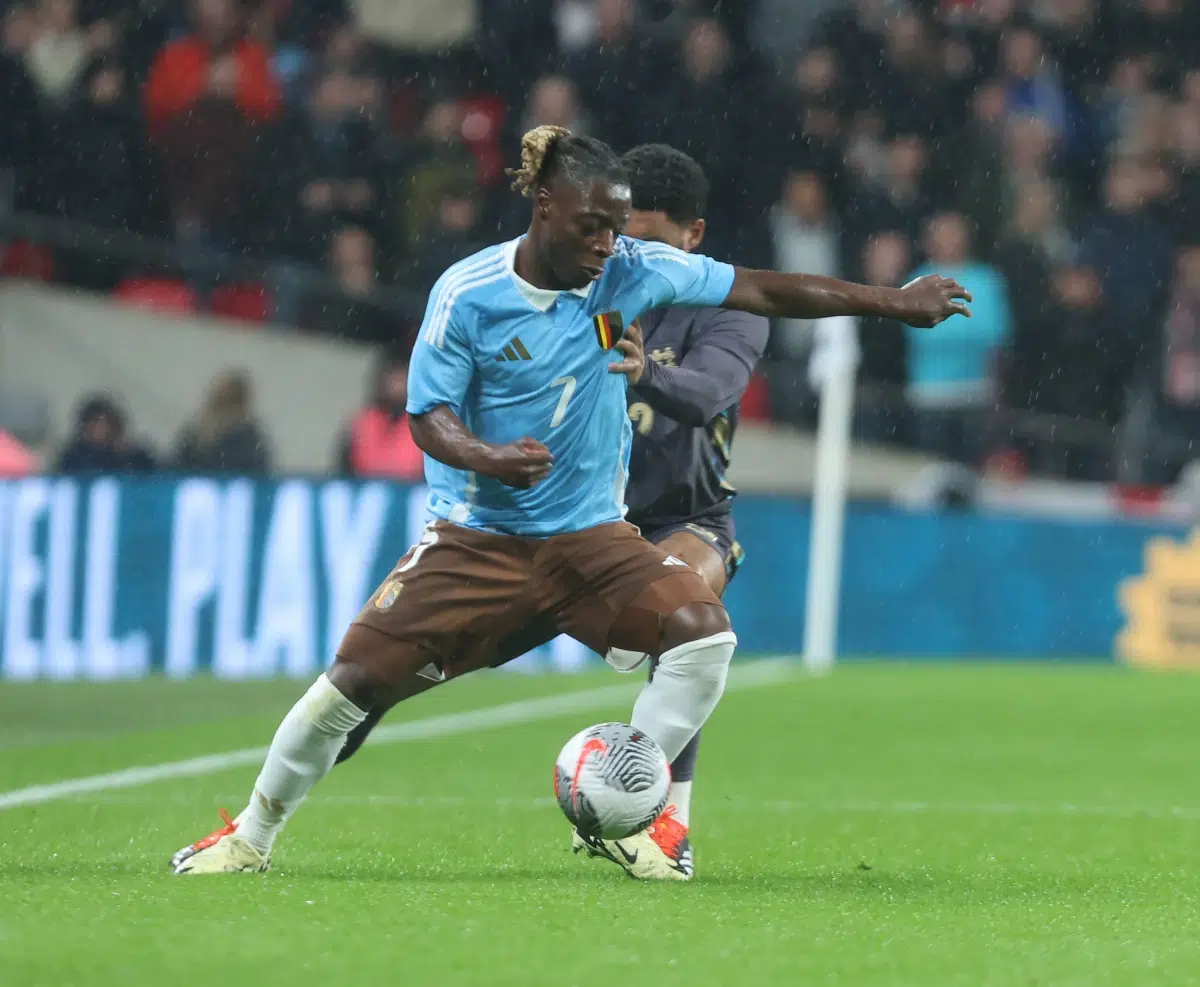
column 437, row 162
column 1180, row 347
column 780, row 28
column 898, row 200
column 554, row 102
column 887, row 259
column 225, row 437
column 458, row 234
column 693, row 109
column 354, row 312
column 268, row 24
column 60, row 48
column 1186, row 148
column 378, row 443
column 614, row 73
column 318, row 170
column 21, row 129
column 951, row 371
column 1035, row 241
column 815, row 107
column 855, row 31
column 806, row 239
column 1127, row 246
column 100, row 175
column 1168, row 30
column 1031, row 86
column 102, row 444
column 1162, row 432
column 207, row 95
column 1070, row 358
column 978, row 185
column 1073, row 34
column 908, row 85
column 881, row 415
column 215, row 63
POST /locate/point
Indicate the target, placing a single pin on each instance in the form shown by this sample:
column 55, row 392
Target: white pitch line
column 446, row 725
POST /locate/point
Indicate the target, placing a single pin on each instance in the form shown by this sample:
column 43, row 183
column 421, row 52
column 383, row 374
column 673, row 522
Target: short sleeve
column 676, row 278
column 442, row 366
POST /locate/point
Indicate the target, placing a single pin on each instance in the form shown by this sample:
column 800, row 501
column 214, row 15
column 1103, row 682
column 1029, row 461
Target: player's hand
column 630, row 346
column 932, row 299
column 521, row 464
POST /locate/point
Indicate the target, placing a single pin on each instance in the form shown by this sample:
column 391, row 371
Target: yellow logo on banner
column 1162, row 607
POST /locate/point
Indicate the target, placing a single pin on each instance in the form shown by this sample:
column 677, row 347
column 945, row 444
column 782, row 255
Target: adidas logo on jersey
column 515, row 350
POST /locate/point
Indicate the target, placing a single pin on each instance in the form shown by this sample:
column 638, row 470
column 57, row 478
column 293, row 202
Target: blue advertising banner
column 113, row 577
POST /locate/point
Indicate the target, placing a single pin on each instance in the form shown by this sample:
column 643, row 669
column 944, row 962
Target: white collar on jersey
column 540, row 298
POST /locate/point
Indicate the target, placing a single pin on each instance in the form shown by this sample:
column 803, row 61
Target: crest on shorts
column 387, row 593
column 609, row 328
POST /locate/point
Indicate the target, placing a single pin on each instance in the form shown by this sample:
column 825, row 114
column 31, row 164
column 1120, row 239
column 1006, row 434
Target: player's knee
column 357, row 684
column 701, row 665
column 693, row 622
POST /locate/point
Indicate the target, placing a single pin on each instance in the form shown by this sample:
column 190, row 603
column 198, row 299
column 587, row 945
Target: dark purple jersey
column 685, row 411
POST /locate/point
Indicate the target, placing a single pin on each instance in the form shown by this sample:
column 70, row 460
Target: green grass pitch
column 890, row 824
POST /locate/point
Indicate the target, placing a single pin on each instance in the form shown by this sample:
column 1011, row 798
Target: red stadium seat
column 250, row 302
column 27, row 260
column 156, row 294
column 756, row 403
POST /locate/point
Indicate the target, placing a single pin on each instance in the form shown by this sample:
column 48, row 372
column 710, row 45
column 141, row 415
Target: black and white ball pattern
column 611, row 781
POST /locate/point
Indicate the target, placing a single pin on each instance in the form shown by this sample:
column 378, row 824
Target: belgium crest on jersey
column 388, row 593
column 609, row 328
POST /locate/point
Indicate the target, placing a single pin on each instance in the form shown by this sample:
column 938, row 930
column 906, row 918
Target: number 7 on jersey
column 560, row 411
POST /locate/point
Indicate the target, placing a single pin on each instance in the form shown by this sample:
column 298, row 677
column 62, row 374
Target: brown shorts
column 459, row 593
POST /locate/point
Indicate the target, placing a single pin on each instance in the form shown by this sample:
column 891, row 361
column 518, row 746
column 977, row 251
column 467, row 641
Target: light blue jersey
column 512, row 360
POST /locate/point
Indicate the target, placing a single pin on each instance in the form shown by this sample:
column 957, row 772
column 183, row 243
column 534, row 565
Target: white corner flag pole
column 832, row 369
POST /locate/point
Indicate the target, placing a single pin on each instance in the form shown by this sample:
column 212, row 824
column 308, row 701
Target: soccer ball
column 612, row 781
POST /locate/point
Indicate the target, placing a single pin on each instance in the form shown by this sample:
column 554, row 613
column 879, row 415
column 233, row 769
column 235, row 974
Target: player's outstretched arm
column 440, row 433
column 922, row 303
column 714, row 373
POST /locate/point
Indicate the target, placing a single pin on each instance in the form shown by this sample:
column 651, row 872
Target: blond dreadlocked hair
column 535, row 145
column 547, row 151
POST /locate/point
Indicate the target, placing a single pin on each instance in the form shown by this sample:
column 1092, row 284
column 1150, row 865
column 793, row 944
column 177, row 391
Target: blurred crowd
column 1044, row 152
column 225, row 436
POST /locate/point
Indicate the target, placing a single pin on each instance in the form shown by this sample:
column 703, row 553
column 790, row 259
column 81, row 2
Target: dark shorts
column 459, row 594
column 717, row 531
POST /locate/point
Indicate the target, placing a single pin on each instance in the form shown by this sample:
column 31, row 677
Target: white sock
column 686, row 687
column 304, row 749
column 681, row 798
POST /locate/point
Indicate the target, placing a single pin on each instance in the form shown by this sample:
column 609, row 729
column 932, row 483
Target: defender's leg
column 701, row 549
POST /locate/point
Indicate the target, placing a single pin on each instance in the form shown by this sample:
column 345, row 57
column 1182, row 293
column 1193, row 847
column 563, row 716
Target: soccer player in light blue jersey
column 517, row 392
